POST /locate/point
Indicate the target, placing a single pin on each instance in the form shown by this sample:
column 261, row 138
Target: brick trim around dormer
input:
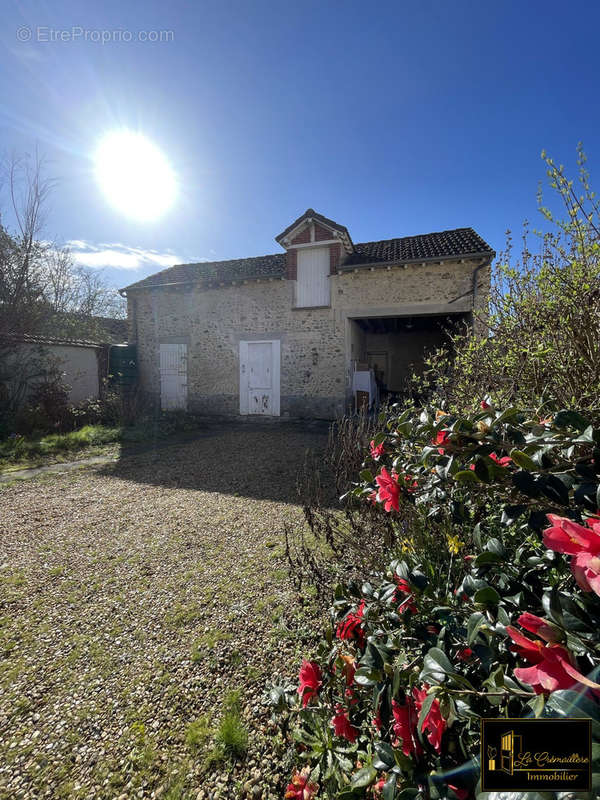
column 291, row 263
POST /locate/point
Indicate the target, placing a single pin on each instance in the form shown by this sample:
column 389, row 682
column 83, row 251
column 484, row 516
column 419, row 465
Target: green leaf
column 367, row 676
column 477, row 536
column 474, row 624
column 466, row 476
column 386, row 754
column 436, row 666
column 425, row 709
column 363, row 778
column 570, row 419
column 506, row 415
column 366, row 475
column 487, row 558
column 483, row 470
column 389, row 788
column 487, row 597
column 522, row 460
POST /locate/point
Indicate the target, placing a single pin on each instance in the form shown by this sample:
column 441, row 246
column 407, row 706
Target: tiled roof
column 444, row 244
column 310, row 212
column 271, row 266
column 458, row 243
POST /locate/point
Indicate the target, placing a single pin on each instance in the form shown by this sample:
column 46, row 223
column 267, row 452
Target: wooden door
column 173, row 376
column 259, row 377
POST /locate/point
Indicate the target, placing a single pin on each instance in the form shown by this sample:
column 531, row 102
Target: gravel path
column 133, row 598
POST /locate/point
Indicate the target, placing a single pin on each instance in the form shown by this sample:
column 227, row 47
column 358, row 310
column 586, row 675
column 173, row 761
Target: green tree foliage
column 544, row 318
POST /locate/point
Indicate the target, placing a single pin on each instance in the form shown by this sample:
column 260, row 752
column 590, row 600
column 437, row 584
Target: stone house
column 283, row 334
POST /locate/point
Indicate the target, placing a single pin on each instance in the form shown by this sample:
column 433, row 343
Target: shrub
column 47, row 409
column 344, row 539
column 493, row 609
column 544, row 320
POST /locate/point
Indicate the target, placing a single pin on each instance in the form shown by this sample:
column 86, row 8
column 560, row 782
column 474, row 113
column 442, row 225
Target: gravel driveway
column 134, row 598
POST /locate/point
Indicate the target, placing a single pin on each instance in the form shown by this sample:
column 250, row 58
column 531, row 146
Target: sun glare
column 134, row 175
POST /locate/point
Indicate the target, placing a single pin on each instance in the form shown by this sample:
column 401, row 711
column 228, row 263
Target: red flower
column 301, row 788
column 310, row 681
column 502, row 462
column 464, row 654
column 552, row 664
column 405, row 722
column 405, row 727
column 351, row 627
column 378, row 787
column 413, row 485
column 389, row 491
column 566, row 536
column 442, row 438
column 484, row 406
column 342, row 726
column 406, row 598
column 377, row 450
column 434, row 722
column 541, row 627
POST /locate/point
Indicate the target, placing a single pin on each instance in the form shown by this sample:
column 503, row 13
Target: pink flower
column 351, row 628
column 443, row 439
column 541, row 627
column 566, row 536
column 552, row 664
column 342, row 726
column 377, row 450
column 405, row 596
column 502, row 462
column 434, row 722
column 311, row 681
column 378, row 787
column 301, row 788
column 389, row 491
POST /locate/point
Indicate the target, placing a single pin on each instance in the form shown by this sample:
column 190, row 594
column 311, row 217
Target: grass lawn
column 144, row 607
column 19, row 452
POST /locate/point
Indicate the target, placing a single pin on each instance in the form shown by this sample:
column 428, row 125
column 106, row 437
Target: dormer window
column 314, row 247
column 312, row 277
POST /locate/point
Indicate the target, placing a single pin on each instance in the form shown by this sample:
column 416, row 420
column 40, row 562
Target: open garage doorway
column 396, row 347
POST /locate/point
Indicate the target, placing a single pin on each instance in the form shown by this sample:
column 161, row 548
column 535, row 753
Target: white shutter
column 312, row 281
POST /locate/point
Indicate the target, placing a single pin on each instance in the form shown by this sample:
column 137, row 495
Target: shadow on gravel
column 257, row 459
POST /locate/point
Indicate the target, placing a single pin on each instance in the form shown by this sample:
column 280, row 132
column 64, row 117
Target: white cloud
column 120, row 256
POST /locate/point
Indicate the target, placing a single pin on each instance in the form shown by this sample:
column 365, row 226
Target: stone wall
column 315, row 343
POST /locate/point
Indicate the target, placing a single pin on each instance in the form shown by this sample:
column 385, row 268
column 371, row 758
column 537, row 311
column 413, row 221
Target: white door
column 312, row 278
column 259, row 377
column 173, row 376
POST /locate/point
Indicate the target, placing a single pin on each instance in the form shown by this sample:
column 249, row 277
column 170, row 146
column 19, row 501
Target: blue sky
column 391, row 118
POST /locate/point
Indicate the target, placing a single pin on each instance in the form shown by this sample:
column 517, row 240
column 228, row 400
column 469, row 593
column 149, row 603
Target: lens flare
column 134, row 175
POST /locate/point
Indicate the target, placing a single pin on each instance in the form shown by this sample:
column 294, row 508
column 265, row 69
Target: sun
column 134, row 175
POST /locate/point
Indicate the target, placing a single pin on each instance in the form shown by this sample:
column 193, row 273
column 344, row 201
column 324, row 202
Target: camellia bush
column 490, row 606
